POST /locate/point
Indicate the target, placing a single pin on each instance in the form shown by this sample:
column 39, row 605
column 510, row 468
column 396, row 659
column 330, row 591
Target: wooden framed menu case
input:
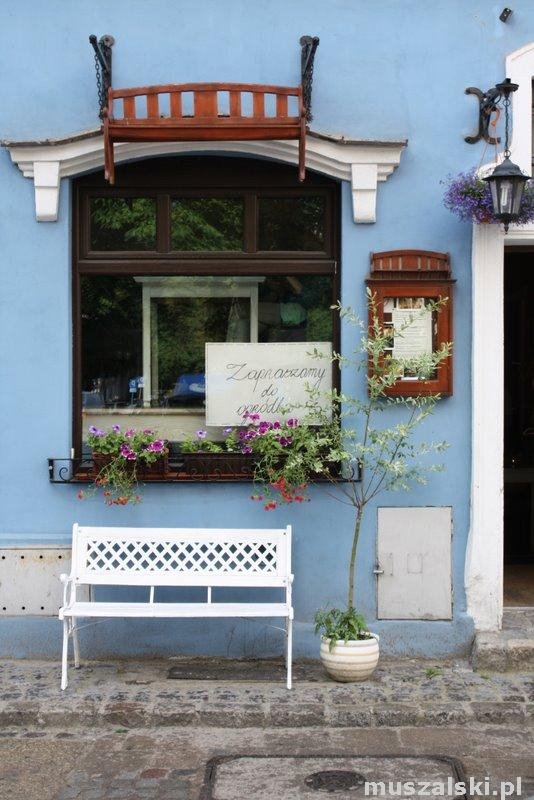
column 403, row 282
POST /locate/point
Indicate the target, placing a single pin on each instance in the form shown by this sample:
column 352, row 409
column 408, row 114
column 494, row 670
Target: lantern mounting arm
column 487, row 105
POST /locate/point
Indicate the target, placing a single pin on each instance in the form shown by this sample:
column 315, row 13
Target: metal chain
column 506, row 103
column 308, row 47
column 99, row 87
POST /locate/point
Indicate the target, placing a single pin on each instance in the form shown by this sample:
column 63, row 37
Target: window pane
column 292, row 223
column 123, row 223
column 207, row 223
column 165, row 391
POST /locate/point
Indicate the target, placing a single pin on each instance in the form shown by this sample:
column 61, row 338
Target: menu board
column 412, row 335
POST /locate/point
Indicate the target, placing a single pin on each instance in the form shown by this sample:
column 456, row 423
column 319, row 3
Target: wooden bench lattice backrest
column 237, row 103
column 181, row 557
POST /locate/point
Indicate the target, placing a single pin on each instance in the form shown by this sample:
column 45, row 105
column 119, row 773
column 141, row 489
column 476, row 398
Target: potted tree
column 384, row 458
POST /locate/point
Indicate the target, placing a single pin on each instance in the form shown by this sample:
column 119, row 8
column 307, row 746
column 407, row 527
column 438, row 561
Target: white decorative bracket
column 364, row 179
column 46, row 182
column 364, row 163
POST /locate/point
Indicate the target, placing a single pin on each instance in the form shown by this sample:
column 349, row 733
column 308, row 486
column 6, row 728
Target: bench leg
column 64, row 656
column 76, row 645
column 289, row 652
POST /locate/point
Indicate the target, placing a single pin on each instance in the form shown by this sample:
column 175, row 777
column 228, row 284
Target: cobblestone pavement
column 139, row 695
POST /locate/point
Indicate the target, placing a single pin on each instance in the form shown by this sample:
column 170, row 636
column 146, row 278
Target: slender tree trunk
column 356, row 536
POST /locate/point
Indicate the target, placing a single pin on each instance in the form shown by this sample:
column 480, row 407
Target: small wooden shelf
column 196, row 112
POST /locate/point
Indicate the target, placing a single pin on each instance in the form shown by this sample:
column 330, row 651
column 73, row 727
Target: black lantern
column 507, row 182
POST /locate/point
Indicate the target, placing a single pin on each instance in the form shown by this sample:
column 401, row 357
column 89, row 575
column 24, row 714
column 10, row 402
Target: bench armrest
column 69, row 589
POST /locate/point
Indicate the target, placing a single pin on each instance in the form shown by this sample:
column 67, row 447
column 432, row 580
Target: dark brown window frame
column 197, row 176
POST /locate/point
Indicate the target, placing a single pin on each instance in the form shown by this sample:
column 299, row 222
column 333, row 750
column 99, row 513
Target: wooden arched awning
column 200, row 112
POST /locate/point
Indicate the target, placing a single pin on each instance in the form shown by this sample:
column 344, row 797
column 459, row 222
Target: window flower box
column 157, row 470
column 216, row 466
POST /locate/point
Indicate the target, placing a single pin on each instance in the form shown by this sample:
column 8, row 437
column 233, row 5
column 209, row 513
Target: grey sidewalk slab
column 138, row 694
column 171, row 764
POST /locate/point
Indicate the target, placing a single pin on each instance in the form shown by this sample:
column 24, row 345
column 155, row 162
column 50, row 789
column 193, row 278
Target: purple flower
column 227, row 431
column 127, row 452
column 202, row 434
column 156, row 447
column 116, row 428
column 148, row 431
column 264, row 427
column 96, row 431
column 254, row 417
column 292, row 423
column 251, row 434
column 242, row 434
column 130, row 432
column 276, row 426
column 246, row 449
column 285, row 440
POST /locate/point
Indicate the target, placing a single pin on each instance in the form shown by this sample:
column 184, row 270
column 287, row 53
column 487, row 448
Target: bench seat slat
column 170, row 610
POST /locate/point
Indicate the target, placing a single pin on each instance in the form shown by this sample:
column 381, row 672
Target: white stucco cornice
column 364, row 163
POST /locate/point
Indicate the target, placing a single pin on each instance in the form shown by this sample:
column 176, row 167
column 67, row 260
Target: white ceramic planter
column 354, row 660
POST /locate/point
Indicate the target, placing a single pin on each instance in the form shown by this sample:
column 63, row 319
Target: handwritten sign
column 264, row 379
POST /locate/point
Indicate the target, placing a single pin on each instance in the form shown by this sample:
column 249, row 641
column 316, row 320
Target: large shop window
column 163, row 270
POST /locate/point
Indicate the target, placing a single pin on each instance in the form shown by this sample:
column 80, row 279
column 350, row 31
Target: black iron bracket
column 308, row 46
column 103, row 67
column 487, row 105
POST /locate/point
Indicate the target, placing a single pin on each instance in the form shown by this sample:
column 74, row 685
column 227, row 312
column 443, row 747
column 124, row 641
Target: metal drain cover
column 330, row 780
column 336, row 777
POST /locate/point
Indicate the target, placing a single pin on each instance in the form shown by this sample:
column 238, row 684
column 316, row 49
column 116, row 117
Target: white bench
column 154, row 557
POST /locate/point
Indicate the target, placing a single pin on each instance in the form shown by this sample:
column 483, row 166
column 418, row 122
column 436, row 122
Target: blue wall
column 385, row 69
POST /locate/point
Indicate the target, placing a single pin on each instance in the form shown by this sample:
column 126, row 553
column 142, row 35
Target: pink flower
column 246, row 449
column 292, row 423
column 276, row 426
column 130, row 432
column 156, row 447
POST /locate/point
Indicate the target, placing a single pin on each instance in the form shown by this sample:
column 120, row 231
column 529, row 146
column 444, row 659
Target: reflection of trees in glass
column 123, row 223
column 319, row 327
column 111, row 328
column 184, row 326
column 292, row 223
column 207, row 223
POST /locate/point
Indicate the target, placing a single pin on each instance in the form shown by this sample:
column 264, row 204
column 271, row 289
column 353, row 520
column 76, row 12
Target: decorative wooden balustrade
column 196, row 112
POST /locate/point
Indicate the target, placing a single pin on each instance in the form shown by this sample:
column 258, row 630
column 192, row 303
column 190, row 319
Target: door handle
column 378, row 570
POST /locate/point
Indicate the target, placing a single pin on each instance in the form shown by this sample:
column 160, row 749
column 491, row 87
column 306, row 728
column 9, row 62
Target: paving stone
column 498, row 712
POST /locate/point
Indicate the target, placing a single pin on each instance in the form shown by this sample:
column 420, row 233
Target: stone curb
column 131, row 715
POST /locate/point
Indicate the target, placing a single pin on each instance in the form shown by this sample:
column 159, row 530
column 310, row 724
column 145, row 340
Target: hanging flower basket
column 469, row 197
